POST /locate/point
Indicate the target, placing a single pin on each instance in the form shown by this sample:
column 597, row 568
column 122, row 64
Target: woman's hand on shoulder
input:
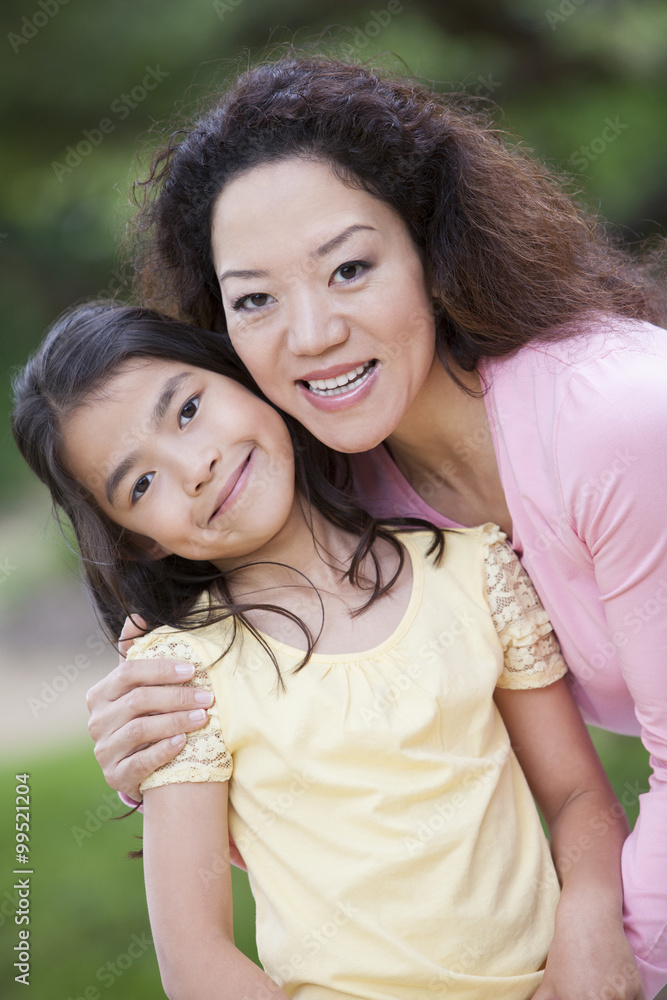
column 139, row 715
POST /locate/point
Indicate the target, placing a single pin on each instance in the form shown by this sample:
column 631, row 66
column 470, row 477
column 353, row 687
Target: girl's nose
column 198, row 470
column 314, row 328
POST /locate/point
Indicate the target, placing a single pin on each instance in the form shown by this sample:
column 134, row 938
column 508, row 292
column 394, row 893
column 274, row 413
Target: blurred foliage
column 87, row 901
column 557, row 68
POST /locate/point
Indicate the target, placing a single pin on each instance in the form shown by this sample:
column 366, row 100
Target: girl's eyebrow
column 322, row 251
column 162, row 404
column 169, row 390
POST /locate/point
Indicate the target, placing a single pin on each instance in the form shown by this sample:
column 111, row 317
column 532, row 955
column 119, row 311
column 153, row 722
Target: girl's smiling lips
column 233, row 486
column 340, row 385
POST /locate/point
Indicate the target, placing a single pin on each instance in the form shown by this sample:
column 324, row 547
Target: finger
column 107, row 719
column 131, row 740
column 137, row 673
column 133, row 627
column 135, row 769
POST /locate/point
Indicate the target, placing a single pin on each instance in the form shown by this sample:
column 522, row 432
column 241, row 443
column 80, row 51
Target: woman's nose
column 314, row 328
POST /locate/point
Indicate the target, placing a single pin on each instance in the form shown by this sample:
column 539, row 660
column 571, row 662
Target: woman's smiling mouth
column 334, row 382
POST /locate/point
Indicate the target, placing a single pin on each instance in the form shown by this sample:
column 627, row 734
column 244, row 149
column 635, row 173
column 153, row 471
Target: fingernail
column 203, row 697
column 198, row 715
column 177, row 740
column 184, row 668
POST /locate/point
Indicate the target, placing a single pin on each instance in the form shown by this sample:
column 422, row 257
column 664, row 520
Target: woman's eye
column 188, row 411
column 349, row 271
column 255, row 301
column 141, row 486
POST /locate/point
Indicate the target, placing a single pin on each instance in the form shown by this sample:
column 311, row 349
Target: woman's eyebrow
column 322, row 251
column 243, row 274
column 336, row 241
column 162, row 404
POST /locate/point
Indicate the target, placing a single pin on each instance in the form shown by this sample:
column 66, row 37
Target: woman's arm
column 614, row 485
column 139, row 714
column 590, row 955
column 185, row 826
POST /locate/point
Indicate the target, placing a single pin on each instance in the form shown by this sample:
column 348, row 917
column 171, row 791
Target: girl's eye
column 188, row 411
column 141, row 486
column 349, row 271
column 252, row 302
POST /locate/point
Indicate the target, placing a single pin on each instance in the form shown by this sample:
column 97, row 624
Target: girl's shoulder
column 202, row 645
column 463, row 548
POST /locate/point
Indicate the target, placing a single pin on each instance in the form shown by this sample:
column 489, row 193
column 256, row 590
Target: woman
column 421, row 293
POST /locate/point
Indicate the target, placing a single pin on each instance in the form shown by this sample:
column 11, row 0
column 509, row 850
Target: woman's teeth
column 335, row 386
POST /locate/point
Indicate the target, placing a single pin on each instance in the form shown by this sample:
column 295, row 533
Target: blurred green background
column 583, row 81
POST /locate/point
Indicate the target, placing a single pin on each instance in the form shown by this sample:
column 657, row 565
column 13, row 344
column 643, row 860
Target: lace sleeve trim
column 531, row 653
column 204, row 756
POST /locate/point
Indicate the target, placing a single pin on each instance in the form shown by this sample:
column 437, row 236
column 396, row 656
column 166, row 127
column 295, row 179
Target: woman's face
column 325, row 298
column 186, row 459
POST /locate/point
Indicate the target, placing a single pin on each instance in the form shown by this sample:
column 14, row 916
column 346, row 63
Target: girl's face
column 185, row 458
column 325, row 298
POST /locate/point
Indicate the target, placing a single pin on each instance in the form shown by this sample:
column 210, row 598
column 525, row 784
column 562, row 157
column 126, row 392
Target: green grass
column 87, row 900
column 87, row 903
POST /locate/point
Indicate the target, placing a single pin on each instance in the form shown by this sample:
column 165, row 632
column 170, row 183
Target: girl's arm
column 590, row 955
column 188, row 886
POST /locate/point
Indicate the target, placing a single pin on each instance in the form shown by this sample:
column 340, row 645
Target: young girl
column 355, row 753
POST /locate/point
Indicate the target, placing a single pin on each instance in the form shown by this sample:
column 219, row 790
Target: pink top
column 580, row 434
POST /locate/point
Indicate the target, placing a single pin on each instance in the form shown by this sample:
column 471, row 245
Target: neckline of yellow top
column 392, row 640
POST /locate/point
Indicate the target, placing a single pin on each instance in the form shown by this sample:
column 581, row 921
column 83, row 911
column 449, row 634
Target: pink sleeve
column 612, row 463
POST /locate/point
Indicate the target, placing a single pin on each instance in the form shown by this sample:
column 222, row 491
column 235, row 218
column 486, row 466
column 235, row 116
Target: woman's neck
column 444, row 448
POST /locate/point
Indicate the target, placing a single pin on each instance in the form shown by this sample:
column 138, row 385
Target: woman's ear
column 146, row 546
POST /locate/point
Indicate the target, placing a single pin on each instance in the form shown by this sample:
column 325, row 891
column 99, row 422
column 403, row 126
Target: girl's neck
column 318, row 593
column 307, row 542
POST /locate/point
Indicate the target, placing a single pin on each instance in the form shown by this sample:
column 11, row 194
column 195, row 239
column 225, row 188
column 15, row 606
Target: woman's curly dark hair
column 510, row 252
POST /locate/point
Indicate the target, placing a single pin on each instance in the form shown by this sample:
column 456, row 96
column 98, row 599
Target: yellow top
column 393, row 846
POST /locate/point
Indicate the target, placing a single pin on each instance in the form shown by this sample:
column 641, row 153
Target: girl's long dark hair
column 80, row 355
column 511, row 252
